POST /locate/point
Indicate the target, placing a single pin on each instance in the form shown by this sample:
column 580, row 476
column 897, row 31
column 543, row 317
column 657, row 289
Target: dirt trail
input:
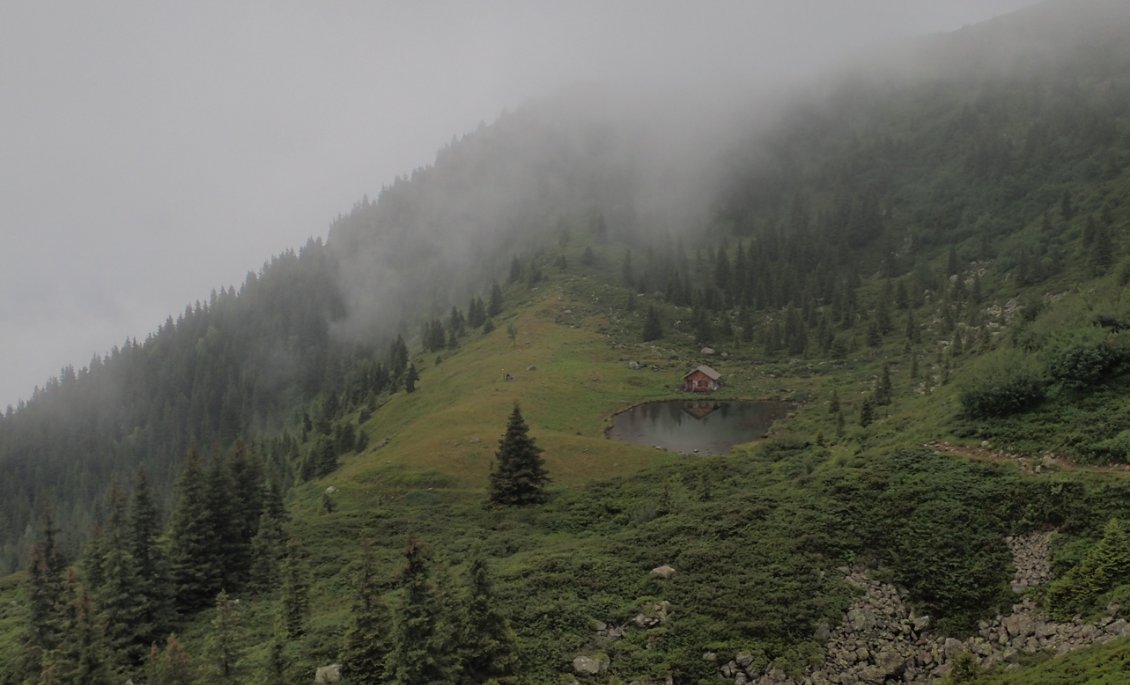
column 1041, row 464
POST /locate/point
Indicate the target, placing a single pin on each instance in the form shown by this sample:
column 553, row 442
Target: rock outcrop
column 881, row 641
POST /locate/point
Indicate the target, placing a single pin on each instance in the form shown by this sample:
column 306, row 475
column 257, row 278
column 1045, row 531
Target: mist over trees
column 802, row 208
column 841, row 230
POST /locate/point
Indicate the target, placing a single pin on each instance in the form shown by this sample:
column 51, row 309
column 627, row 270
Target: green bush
column 1115, row 450
column 1000, row 384
column 1086, row 358
column 1103, row 567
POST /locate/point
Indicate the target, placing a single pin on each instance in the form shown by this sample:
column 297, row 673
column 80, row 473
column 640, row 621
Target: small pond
column 698, row 425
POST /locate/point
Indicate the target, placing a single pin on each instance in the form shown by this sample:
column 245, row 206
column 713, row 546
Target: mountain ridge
column 885, row 258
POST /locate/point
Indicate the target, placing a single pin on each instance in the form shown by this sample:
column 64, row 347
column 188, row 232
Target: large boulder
column 327, row 675
column 589, row 665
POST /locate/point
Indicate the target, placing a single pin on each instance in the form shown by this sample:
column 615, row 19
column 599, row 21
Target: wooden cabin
column 702, row 379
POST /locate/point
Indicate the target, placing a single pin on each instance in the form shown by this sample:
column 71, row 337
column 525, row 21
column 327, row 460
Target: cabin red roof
column 704, row 370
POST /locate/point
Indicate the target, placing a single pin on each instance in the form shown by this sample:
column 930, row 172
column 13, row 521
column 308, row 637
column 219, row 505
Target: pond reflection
column 696, row 426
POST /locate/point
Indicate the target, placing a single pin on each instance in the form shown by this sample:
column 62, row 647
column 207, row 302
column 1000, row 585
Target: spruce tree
column 421, row 651
column 277, row 663
column 476, row 313
column 883, row 388
column 93, row 555
column 268, row 547
column 745, row 323
column 46, row 597
column 494, row 308
column 228, row 549
column 153, row 587
column 120, row 605
column 410, row 379
column 245, row 479
column 398, row 356
column 169, row 666
column 92, row 666
column 295, row 590
column 61, row 664
column 518, row 475
column 488, row 647
column 195, row 570
column 587, row 256
column 867, row 412
column 652, row 326
column 224, row 649
column 1104, row 566
column 367, row 639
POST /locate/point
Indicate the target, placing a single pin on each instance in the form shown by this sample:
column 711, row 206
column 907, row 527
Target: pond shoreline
column 696, row 423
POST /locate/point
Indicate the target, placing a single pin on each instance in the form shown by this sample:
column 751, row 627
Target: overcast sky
column 152, row 151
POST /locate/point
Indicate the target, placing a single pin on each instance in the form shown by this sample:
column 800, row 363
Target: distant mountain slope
column 248, row 364
column 970, row 141
column 915, row 227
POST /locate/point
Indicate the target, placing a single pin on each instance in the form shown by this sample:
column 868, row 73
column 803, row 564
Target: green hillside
column 930, row 265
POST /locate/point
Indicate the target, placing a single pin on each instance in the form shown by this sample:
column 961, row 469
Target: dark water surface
column 702, row 426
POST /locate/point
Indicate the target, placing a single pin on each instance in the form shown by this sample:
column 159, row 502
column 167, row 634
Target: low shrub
column 1000, row 384
column 1086, row 358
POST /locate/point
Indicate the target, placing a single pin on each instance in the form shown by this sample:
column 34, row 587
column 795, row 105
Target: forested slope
column 929, row 247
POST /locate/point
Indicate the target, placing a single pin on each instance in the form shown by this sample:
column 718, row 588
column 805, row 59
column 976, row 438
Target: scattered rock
column 881, row 641
column 325, row 675
column 331, row 490
column 663, row 571
column 531, row 367
column 707, row 350
column 589, row 666
column 634, row 365
column 919, row 623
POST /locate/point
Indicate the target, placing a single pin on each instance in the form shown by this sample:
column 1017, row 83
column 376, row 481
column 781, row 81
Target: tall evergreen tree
column 93, row 556
column 153, row 586
column 277, row 663
column 652, row 326
column 866, row 412
column 92, row 667
column 195, row 570
column 80, row 658
column 476, row 313
column 120, row 604
column 1102, row 251
column 46, row 597
column 295, row 590
column 169, row 666
column 268, row 547
column 421, row 647
column 228, row 549
column 245, row 480
column 518, row 475
column 398, row 356
column 488, row 647
column 367, row 639
column 883, row 388
column 1105, row 565
column 494, row 308
column 410, row 379
column 224, row 647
